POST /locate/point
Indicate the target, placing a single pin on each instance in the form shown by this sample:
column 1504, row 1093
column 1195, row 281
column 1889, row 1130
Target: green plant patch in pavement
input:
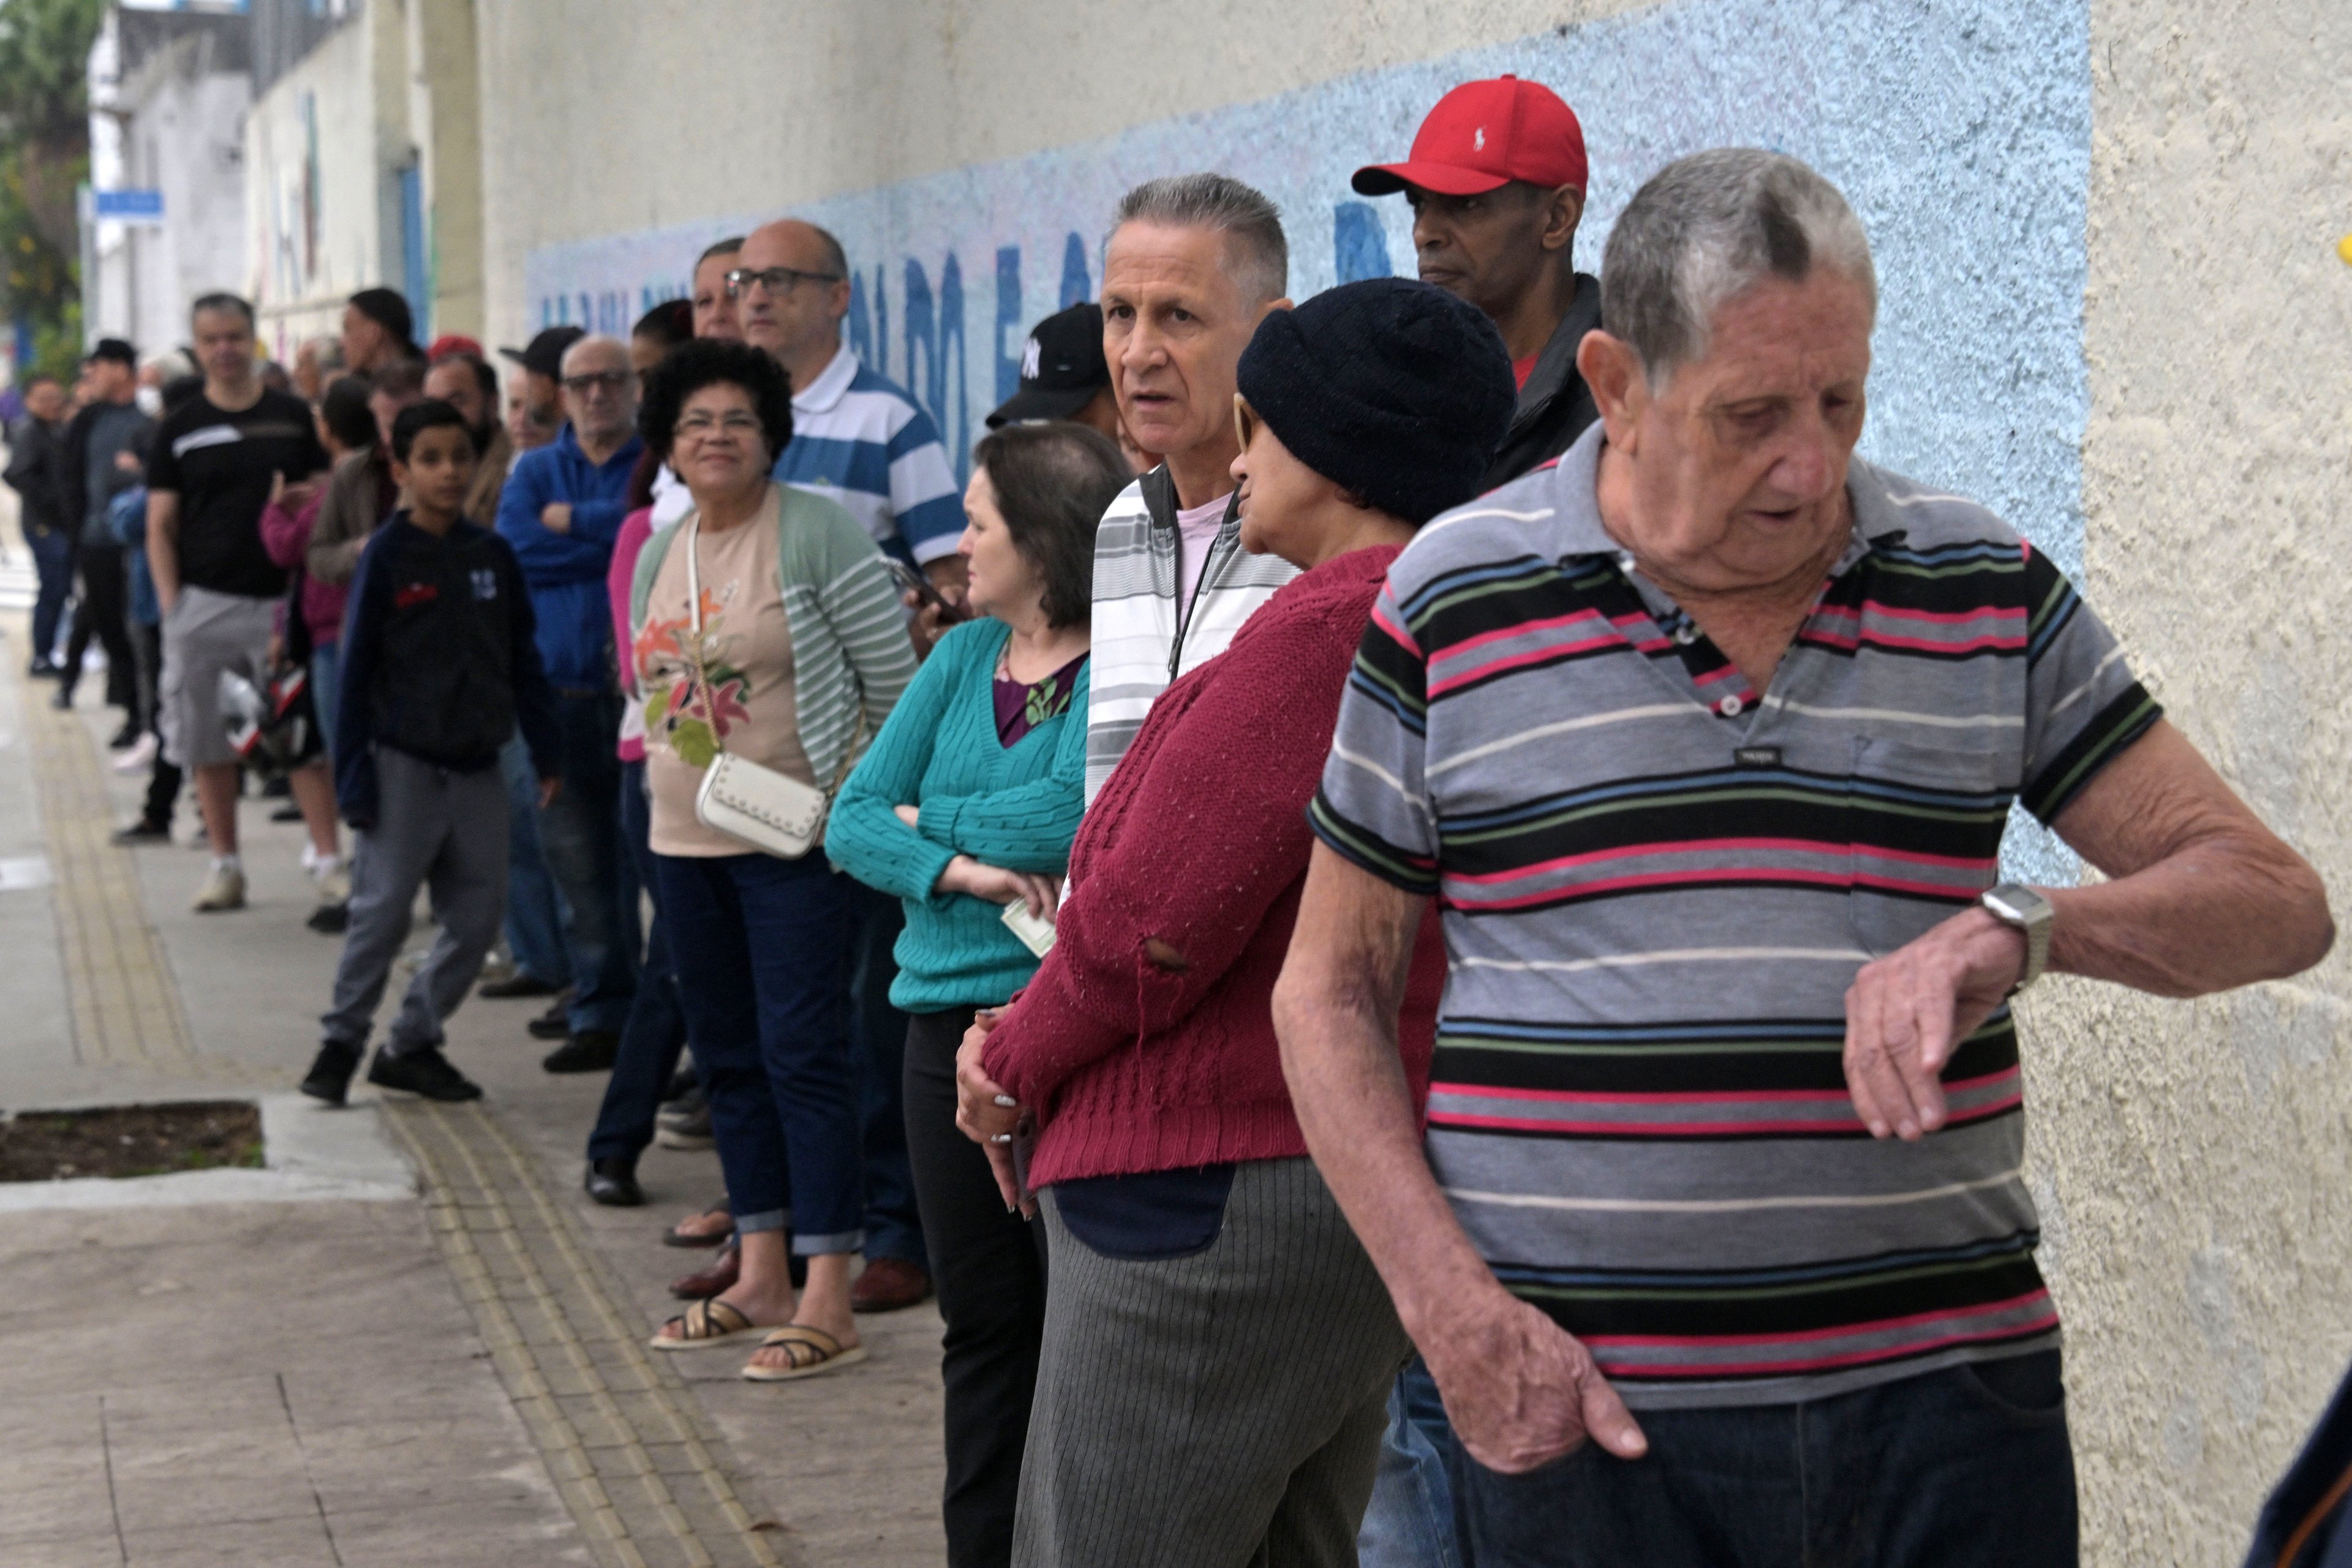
column 128, row 1140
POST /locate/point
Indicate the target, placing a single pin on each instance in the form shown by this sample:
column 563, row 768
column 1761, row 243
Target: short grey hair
column 1259, row 255
column 1705, row 230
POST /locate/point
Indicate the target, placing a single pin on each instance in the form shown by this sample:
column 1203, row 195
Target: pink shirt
column 1197, row 530
column 620, row 578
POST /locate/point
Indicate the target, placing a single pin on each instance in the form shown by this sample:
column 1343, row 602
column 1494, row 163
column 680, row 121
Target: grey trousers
column 434, row 829
column 1213, row 1411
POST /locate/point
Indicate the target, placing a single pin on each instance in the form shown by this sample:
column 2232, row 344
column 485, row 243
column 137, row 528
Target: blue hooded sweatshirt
column 565, row 572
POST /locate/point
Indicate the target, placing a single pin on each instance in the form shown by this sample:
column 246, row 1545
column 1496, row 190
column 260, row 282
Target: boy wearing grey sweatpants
column 439, row 667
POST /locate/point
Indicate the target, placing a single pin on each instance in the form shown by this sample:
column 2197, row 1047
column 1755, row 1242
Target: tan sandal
column 811, row 1350
column 704, row 1324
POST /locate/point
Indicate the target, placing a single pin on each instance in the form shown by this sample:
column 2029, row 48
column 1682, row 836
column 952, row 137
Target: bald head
column 797, row 295
column 600, row 391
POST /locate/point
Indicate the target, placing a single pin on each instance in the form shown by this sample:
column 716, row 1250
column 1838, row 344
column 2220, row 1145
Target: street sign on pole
column 128, row 205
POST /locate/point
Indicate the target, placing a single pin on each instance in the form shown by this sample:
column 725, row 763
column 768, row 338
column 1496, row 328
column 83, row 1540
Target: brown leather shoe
column 705, row 1283
column 888, row 1284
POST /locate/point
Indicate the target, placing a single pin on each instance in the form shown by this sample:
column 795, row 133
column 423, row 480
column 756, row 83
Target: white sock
column 228, row 863
column 324, row 866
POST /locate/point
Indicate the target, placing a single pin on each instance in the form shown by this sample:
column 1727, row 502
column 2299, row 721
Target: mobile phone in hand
column 916, row 583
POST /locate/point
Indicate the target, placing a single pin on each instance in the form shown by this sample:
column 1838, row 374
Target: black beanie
column 1393, row 390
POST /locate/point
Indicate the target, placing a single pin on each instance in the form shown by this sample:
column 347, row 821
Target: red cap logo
column 1481, row 137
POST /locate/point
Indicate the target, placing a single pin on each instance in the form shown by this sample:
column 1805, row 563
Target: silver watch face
column 2019, row 906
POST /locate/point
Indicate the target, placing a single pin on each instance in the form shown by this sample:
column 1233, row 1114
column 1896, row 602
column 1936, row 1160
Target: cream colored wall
column 2200, row 1155
column 298, row 294
column 445, row 117
column 813, row 100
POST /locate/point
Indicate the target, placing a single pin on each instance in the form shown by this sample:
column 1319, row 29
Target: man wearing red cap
column 1496, row 184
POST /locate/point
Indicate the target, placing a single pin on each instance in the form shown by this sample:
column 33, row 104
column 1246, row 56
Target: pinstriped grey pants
column 1214, row 1411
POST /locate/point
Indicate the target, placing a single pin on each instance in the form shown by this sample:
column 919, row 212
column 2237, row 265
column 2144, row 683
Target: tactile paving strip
column 121, row 997
column 639, row 1466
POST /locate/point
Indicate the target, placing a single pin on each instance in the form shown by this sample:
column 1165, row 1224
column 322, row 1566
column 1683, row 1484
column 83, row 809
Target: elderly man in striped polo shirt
column 1703, row 741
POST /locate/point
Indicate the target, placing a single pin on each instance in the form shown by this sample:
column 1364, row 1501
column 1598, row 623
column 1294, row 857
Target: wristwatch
column 2030, row 912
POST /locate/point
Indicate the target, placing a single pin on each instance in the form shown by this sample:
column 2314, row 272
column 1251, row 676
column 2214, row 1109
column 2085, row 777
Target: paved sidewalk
column 450, row 1377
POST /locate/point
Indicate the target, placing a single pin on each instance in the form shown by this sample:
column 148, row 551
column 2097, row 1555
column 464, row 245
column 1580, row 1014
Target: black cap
column 1062, row 367
column 388, row 309
column 545, row 354
column 1392, row 389
column 118, row 351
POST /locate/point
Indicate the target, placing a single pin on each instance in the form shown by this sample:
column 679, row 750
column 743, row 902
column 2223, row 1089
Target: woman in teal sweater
column 966, row 805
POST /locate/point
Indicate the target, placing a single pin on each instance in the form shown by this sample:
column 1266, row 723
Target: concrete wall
column 313, row 190
column 2111, row 310
column 2198, row 1157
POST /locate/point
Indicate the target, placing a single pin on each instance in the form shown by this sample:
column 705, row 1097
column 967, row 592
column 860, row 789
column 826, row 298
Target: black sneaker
column 521, row 982
column 331, row 920
column 427, row 1072
column 555, row 1024
column 141, row 832
column 331, row 1071
column 63, row 700
column 614, row 1184
column 126, row 737
column 590, row 1050
column 42, row 670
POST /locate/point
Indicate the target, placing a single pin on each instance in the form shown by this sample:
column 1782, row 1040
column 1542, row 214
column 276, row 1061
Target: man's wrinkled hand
column 1905, row 1015
column 1520, row 1390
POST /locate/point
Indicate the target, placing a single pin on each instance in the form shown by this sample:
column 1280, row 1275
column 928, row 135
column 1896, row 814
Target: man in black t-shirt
column 214, row 462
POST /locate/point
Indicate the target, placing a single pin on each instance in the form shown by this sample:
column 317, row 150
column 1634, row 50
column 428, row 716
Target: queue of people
column 1398, row 906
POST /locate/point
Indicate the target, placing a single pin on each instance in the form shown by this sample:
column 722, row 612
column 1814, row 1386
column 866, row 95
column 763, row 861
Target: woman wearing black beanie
column 1218, row 1349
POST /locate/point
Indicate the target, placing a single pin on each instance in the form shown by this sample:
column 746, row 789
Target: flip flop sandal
column 674, row 1236
column 704, row 1324
column 811, row 1350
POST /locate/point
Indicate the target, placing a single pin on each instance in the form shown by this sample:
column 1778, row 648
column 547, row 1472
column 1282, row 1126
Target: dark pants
column 147, row 648
column 656, row 1031
column 53, row 566
column 894, row 1227
column 989, row 1267
column 1966, row 1467
column 103, row 611
column 581, row 837
column 757, row 943
column 534, row 912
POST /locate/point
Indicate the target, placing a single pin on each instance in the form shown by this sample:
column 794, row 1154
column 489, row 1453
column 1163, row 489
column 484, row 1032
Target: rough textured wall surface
column 2197, row 1192
column 312, row 192
column 589, row 107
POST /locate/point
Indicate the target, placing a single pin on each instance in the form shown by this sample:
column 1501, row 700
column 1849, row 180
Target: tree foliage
column 44, row 153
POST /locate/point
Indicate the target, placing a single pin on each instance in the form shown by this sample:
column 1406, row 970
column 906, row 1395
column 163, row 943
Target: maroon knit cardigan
column 1162, row 1056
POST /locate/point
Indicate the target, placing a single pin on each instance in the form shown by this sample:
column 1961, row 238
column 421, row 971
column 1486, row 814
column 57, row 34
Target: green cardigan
column 851, row 658
column 1015, row 807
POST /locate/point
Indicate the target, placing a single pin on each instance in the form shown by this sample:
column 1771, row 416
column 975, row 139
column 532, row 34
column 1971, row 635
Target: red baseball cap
column 1481, row 137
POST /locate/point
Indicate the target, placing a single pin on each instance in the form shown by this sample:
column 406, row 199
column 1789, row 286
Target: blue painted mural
column 1959, row 129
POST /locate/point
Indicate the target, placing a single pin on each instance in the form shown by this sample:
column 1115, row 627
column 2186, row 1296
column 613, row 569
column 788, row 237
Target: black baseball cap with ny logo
column 1062, row 367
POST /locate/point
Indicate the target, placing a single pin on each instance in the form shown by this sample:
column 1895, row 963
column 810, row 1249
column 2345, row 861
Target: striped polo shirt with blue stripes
column 1657, row 884
column 862, row 443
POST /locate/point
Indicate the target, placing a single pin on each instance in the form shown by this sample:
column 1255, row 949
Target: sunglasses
column 610, row 380
column 1245, row 420
column 780, row 280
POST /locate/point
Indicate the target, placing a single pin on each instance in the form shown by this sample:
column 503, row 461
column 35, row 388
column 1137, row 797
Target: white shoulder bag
column 771, row 812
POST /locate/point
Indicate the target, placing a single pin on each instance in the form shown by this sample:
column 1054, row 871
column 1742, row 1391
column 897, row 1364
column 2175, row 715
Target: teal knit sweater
column 1015, row 807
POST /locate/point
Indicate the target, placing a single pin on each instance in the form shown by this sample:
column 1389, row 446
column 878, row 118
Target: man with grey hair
column 1703, row 741
column 562, row 510
column 1194, row 262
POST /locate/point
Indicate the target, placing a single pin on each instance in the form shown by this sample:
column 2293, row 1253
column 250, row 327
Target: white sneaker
column 224, row 889
column 335, row 885
column 140, row 756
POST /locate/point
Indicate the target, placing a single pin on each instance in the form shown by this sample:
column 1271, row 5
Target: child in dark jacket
column 439, row 666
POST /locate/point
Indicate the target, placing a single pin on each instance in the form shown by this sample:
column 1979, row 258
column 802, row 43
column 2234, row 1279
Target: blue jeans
column 326, row 671
column 758, row 944
column 53, row 566
column 1409, row 1522
column 580, row 834
column 1966, row 1467
column 878, row 1030
column 534, row 910
column 655, row 1032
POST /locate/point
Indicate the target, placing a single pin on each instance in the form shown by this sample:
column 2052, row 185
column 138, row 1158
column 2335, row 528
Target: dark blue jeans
column 52, row 550
column 534, row 911
column 758, row 946
column 656, row 1031
column 1966, row 1467
column 878, row 1031
column 580, row 835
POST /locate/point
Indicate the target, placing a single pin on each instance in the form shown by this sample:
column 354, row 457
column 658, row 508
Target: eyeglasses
column 590, row 381
column 775, row 280
column 701, row 426
column 1245, row 420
